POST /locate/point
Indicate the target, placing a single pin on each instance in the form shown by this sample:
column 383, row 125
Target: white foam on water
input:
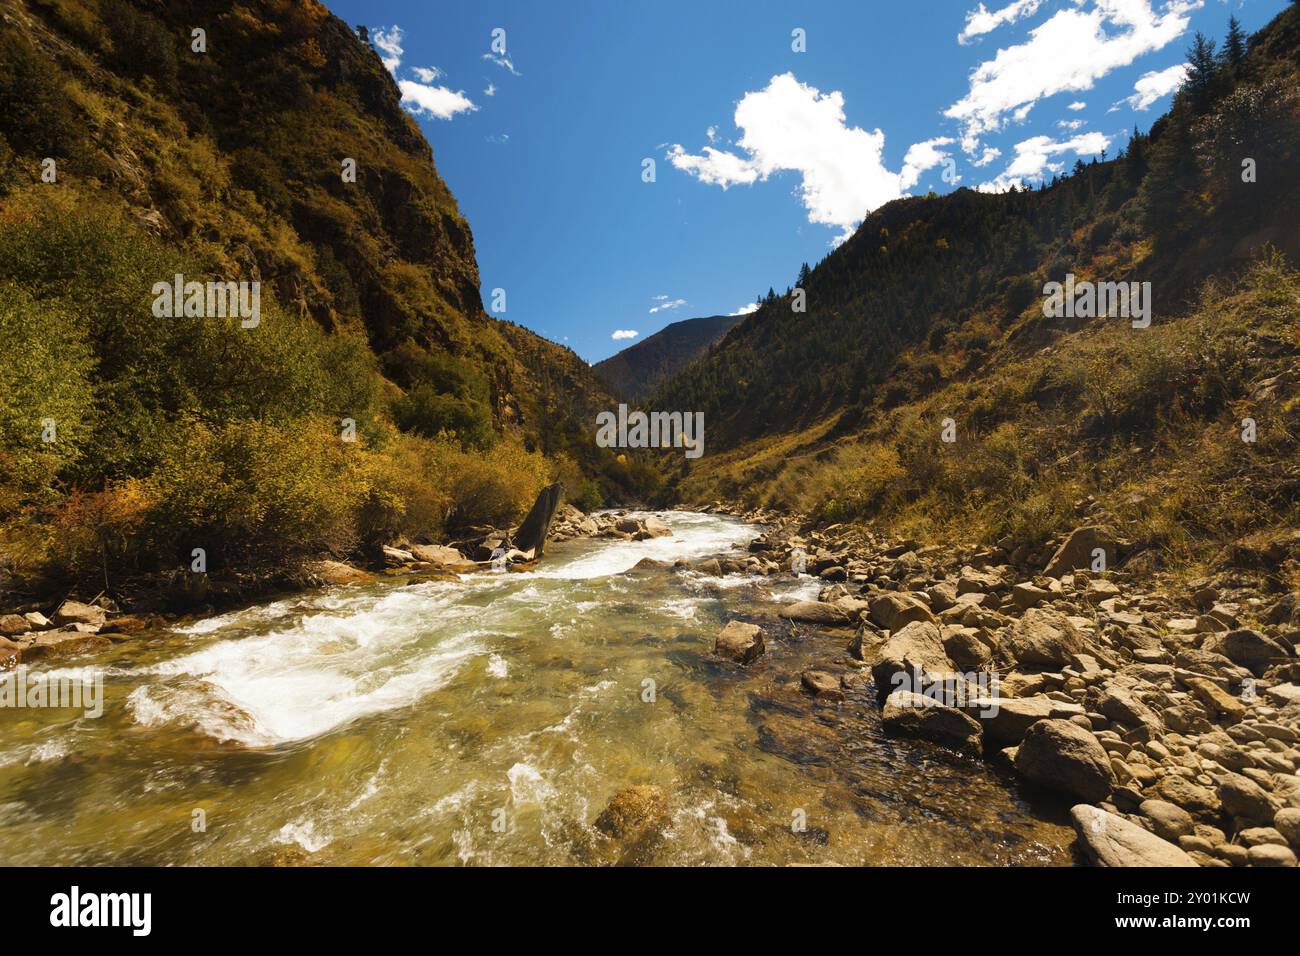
column 318, row 674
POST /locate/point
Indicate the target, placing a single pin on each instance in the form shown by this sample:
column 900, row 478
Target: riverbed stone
column 1110, row 840
column 1168, row 821
column 1247, row 648
column 822, row 685
column 634, row 813
column 895, row 611
column 915, row 715
column 1063, row 756
column 74, row 612
column 1272, row 855
column 1287, row 822
column 917, row 648
column 1245, row 799
column 815, row 612
column 740, row 642
column 1043, row 637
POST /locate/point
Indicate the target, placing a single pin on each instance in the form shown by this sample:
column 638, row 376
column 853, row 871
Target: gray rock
column 1110, row 840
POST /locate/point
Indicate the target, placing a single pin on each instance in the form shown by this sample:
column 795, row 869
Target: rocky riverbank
column 1170, row 718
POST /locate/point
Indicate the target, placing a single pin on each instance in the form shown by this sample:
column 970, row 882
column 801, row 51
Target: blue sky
column 765, row 156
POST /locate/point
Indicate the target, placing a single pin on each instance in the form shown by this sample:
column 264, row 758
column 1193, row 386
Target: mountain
column 635, row 371
column 133, row 149
column 933, row 314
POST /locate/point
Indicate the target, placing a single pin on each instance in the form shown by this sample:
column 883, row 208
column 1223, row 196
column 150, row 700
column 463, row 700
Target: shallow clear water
column 489, row 721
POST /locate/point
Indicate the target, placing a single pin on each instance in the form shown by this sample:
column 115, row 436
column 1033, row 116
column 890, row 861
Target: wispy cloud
column 502, row 61
column 666, row 304
column 1155, row 85
column 388, row 41
column 982, row 20
column 1034, row 158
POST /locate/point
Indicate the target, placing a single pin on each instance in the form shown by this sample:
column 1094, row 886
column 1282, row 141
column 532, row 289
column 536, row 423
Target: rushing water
column 488, row 721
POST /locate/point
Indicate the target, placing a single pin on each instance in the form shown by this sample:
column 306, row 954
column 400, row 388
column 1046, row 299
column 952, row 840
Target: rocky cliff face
column 237, row 154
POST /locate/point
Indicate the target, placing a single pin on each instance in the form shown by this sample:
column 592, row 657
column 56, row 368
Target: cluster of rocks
column 74, row 628
column 571, row 523
column 1171, row 720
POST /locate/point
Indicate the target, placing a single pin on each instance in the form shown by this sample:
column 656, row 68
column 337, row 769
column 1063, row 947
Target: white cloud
column 1072, row 125
column 435, row 101
column 790, row 126
column 923, row 156
column 1077, row 105
column 388, row 41
column 666, row 304
column 1156, row 84
column 621, row 334
column 745, row 309
column 421, row 98
column 1034, row 158
column 1069, row 51
column 715, row 167
column 981, row 21
column 502, row 61
column 491, row 90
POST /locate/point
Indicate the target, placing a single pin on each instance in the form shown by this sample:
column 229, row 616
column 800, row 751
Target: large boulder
column 1245, row 799
column 740, row 642
column 439, row 554
column 1079, row 549
column 74, row 612
column 817, row 612
column 1043, row 638
column 1110, row 840
column 1006, row 720
column 895, row 611
column 917, row 648
column 914, row 715
column 11, row 625
column 336, row 572
column 656, row 528
column 1063, row 756
column 1247, row 648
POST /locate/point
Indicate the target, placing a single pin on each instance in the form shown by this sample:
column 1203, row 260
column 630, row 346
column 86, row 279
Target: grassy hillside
column 933, row 310
column 639, row 369
column 126, row 157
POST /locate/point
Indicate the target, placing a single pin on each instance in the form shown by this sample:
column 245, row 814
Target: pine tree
column 1202, row 71
column 1234, row 44
column 804, row 273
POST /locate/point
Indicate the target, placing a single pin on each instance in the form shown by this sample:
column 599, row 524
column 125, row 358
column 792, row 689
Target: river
column 488, row 721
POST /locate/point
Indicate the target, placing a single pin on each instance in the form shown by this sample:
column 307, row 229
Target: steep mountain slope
column 639, row 369
column 132, row 149
column 933, row 312
column 237, row 152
